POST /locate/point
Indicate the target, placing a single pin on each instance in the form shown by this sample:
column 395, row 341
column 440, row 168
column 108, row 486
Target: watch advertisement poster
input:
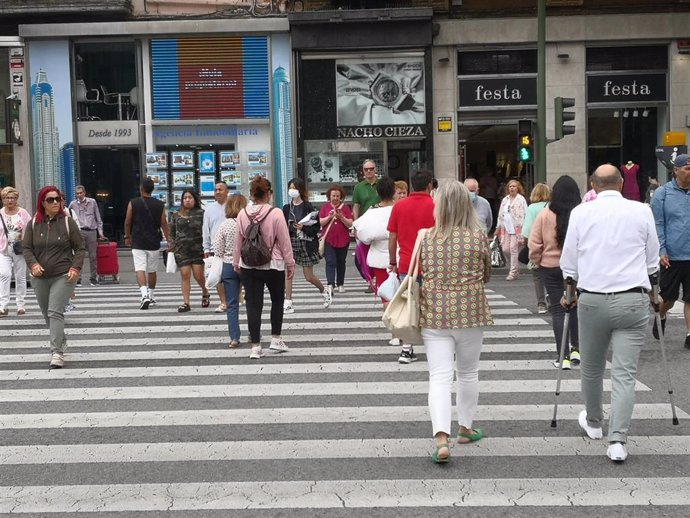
column 380, row 99
column 323, row 168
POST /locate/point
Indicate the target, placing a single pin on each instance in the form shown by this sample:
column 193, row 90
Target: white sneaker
column 327, row 297
column 592, row 433
column 222, row 308
column 57, row 361
column 341, row 289
column 395, row 341
column 288, row 309
column 256, row 353
column 617, row 452
column 277, row 345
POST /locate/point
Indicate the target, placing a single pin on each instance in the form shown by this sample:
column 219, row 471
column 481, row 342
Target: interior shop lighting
column 626, row 113
column 645, row 112
column 636, row 113
column 616, row 114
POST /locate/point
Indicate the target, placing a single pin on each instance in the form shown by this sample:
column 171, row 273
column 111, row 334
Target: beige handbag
column 322, row 239
column 402, row 314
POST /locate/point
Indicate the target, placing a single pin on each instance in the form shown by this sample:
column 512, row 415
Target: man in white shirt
column 610, row 250
column 214, row 215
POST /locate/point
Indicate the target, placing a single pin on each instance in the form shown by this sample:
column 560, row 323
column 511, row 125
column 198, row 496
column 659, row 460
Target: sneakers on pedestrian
column 234, row 344
column 575, row 357
column 341, row 289
column 407, row 356
column 69, row 307
column 655, row 328
column 145, row 303
column 278, row 346
column 4, row 312
column 20, row 312
column 94, row 282
column 617, row 452
column 395, row 342
column 153, row 301
column 566, row 364
column 222, row 308
column 288, row 309
column 687, row 342
column 327, row 297
column 369, row 290
column 57, row 361
column 256, row 353
column 541, row 309
column 592, row 433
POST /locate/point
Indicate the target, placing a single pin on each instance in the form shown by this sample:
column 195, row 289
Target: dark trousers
column 254, row 282
column 336, row 258
column 553, row 282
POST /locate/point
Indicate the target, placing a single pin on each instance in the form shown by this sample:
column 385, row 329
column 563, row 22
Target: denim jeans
column 336, row 259
column 231, row 283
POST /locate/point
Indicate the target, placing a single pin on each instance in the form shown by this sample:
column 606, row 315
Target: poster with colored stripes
column 210, row 78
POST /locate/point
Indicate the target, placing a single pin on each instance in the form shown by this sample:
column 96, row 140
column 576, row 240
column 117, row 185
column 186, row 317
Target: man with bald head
column 610, row 250
column 481, row 205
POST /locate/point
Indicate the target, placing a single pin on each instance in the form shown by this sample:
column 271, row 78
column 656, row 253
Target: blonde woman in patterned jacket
column 455, row 260
column 511, row 216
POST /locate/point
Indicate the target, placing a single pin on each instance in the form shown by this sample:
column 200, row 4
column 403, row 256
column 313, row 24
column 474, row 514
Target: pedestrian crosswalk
column 153, row 412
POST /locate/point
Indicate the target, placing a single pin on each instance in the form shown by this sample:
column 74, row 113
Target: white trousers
column 449, row 351
column 10, row 262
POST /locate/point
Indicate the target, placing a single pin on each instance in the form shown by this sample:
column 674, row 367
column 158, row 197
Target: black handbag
column 523, row 255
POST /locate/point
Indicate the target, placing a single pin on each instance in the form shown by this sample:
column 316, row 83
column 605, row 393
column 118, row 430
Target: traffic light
column 562, row 117
column 525, row 141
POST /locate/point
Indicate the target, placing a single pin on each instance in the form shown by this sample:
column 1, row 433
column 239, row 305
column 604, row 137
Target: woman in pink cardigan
column 511, row 216
column 15, row 220
column 545, row 244
column 275, row 235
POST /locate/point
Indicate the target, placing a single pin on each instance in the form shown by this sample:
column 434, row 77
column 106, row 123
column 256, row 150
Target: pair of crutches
column 569, row 299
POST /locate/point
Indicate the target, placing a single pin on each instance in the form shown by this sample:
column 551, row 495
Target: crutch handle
column 569, row 291
column 654, row 280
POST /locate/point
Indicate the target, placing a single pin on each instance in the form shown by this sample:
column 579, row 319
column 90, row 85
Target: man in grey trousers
column 610, row 250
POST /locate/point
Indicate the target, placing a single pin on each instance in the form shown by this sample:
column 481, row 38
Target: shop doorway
column 112, row 177
column 405, row 158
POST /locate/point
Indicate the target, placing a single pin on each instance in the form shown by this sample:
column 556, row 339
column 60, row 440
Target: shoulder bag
column 402, row 313
column 322, row 239
column 17, row 247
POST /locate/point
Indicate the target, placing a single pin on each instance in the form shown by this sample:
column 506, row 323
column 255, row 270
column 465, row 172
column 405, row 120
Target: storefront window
column 105, row 80
column 499, row 61
column 339, row 162
column 6, row 151
column 627, row 58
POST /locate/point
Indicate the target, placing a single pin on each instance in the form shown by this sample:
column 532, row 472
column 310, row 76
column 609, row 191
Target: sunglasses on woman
column 53, row 199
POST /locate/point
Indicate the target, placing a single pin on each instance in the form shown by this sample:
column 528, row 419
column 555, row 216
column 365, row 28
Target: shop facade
column 627, row 73
column 363, row 91
column 115, row 103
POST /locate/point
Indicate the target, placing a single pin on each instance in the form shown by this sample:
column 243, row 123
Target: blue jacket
column 671, row 208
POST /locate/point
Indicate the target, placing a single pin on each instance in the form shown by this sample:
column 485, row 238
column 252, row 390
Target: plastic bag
column 388, row 287
column 497, row 259
column 170, row 264
column 213, row 271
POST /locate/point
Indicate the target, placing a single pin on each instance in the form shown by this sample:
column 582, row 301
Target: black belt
column 638, row 289
column 89, row 229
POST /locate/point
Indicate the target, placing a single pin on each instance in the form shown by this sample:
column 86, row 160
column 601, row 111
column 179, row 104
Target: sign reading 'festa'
column 490, row 92
column 626, row 88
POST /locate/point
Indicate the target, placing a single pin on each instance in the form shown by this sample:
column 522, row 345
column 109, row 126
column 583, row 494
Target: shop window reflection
column 105, row 75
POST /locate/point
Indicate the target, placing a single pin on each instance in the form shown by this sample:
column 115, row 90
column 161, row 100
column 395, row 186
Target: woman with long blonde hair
column 454, row 257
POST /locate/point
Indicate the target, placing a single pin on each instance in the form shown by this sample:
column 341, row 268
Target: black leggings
column 254, row 282
column 553, row 282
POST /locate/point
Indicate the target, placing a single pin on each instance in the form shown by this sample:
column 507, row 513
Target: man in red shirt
column 409, row 216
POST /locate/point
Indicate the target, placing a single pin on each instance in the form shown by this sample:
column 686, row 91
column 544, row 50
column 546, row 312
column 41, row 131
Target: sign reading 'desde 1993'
column 498, row 92
column 626, row 88
column 108, row 133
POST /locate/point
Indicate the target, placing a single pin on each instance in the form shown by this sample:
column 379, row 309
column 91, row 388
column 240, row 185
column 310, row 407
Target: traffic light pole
column 541, row 141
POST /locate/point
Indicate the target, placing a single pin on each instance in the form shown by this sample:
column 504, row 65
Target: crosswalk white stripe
column 324, row 314
column 258, row 368
column 188, row 354
column 338, row 494
column 325, row 449
column 245, row 416
column 222, row 328
column 280, row 389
